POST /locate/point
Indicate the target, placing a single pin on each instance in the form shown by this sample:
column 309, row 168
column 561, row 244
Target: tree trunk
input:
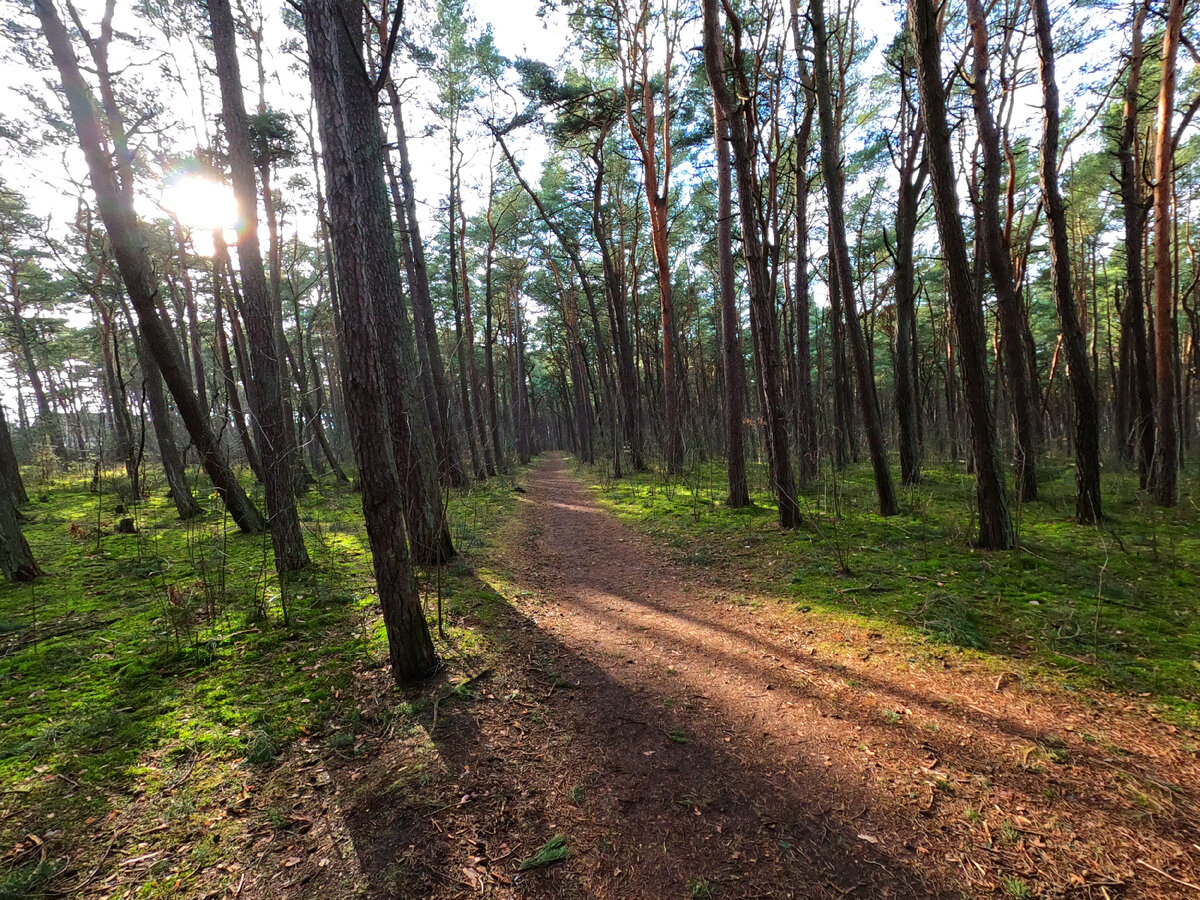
column 164, row 432
column 489, row 372
column 997, row 254
column 739, row 114
column 426, row 328
column 118, row 402
column 460, row 348
column 732, row 363
column 995, row 523
column 16, row 559
column 1087, row 412
column 349, row 125
column 10, row 471
column 1166, row 452
column 129, row 247
column 275, row 438
column 233, row 397
column 189, row 300
column 806, row 417
column 831, row 163
column 48, row 422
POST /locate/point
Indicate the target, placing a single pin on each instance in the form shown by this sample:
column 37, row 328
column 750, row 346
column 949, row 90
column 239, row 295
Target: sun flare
column 202, row 204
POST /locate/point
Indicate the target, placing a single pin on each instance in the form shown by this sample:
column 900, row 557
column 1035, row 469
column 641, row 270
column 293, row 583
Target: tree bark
column 637, row 74
column 1087, row 412
column 189, row 300
column 995, row 523
column 276, row 445
column 233, row 397
column 426, row 328
column 997, row 255
column 831, row 164
column 614, row 290
column 732, row 363
column 1164, row 475
column 361, row 228
column 164, row 432
column 48, row 422
column 10, row 470
column 16, row 559
column 739, row 114
column 806, row 415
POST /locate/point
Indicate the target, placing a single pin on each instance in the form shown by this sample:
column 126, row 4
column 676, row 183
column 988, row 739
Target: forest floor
column 646, row 695
column 681, row 737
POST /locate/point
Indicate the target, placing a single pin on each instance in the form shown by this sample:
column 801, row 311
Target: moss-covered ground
column 1115, row 606
column 169, row 670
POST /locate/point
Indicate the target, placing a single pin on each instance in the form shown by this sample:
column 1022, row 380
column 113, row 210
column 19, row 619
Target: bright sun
column 201, row 204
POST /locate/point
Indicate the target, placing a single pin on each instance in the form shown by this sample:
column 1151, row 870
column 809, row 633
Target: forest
column 600, row 448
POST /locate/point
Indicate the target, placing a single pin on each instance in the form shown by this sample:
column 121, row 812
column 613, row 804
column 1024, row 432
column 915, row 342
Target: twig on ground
column 1187, row 884
column 446, row 696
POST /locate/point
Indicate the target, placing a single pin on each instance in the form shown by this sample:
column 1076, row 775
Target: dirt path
column 689, row 745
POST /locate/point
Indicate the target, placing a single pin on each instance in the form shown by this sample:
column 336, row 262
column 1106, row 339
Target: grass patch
column 550, row 852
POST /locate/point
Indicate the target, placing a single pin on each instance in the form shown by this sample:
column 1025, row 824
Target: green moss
column 140, row 658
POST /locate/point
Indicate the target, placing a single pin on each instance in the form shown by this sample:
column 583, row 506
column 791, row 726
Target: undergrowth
column 172, row 665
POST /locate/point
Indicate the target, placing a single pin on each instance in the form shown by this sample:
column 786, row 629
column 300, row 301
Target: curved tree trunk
column 129, row 247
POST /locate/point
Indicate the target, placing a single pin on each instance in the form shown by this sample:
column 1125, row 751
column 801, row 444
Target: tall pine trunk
column 831, row 164
column 1137, row 411
column 732, row 363
column 739, row 115
column 361, row 228
column 997, row 255
column 1166, row 452
column 1087, row 410
column 995, row 522
column 450, row 463
column 275, row 437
